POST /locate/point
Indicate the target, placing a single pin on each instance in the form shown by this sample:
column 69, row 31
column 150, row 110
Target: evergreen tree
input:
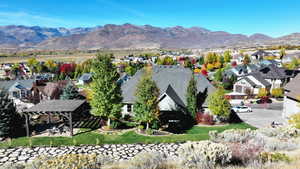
column 106, row 93
column 192, row 97
column 146, row 106
column 9, row 118
column 69, row 92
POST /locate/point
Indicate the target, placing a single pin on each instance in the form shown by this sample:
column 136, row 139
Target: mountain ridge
column 129, row 36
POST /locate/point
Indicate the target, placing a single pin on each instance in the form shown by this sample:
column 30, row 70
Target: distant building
column 17, row 89
column 85, row 79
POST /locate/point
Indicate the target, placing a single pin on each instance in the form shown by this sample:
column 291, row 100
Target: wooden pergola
column 63, row 108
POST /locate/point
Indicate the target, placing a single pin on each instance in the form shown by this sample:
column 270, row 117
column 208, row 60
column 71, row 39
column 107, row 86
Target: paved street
column 263, row 115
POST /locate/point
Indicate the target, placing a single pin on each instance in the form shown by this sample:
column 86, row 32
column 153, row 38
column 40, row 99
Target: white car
column 242, row 109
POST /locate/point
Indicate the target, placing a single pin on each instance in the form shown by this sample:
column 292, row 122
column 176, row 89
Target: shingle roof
column 86, row 77
column 273, row 72
column 56, row 106
column 176, row 76
column 258, row 77
column 262, row 53
column 293, row 88
column 5, row 85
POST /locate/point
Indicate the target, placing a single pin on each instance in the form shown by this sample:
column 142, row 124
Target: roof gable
column 176, row 77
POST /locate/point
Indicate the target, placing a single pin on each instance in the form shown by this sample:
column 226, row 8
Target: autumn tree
column 33, row 64
column 262, row 92
column 282, row 53
column 106, row 93
column 246, row 60
column 51, row 65
column 191, row 97
column 146, row 110
column 218, row 105
column 227, row 56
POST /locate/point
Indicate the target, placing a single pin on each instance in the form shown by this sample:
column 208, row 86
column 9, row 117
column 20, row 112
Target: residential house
column 291, row 104
column 289, row 57
column 172, row 82
column 260, row 54
column 123, row 78
column 241, row 70
column 47, row 91
column 250, row 84
column 17, row 89
column 275, row 75
column 85, row 79
column 270, row 62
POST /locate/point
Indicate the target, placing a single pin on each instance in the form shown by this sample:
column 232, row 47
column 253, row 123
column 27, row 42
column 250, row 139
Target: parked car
column 264, row 100
column 242, row 109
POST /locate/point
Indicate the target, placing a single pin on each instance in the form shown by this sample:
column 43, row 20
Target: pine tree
column 106, row 93
column 192, row 97
column 146, row 106
column 8, row 116
column 70, row 92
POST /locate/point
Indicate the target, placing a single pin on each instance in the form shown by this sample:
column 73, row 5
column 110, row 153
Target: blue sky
column 271, row 17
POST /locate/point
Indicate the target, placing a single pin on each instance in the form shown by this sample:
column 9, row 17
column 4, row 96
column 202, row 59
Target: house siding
column 290, row 107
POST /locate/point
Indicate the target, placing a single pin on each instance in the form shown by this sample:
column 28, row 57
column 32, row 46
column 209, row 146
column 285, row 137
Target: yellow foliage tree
column 295, row 120
column 210, row 66
column 263, row 92
column 217, row 65
column 277, row 92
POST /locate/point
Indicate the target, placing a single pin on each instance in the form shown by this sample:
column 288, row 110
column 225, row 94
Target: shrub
column 148, row 160
column 78, row 161
column 277, row 92
column 273, row 144
column 274, row 157
column 205, row 153
column 204, row 118
column 295, row 120
column 281, row 133
column 245, row 153
column 233, row 135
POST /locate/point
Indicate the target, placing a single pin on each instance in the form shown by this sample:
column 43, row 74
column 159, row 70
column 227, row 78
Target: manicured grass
column 92, row 137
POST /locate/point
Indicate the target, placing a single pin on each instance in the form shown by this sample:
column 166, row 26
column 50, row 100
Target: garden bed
column 154, row 133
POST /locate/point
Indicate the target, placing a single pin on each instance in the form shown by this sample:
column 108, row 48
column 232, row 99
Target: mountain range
column 130, row 36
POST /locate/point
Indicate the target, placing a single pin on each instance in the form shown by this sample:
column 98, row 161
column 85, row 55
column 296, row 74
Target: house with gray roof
column 17, row 89
column 251, row 84
column 241, row 70
column 172, row 82
column 291, row 104
column 260, row 54
column 85, row 79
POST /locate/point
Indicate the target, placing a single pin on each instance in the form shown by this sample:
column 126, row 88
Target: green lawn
column 92, row 137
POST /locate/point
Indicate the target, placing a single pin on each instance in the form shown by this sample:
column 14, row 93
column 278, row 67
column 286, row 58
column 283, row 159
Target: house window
column 128, row 107
column 23, row 93
column 16, row 94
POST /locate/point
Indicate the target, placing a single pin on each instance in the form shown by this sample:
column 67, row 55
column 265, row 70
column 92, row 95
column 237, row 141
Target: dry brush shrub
column 78, row 161
column 233, row 135
column 204, row 154
column 295, row 120
column 245, row 153
column 146, row 160
column 277, row 139
column 274, row 157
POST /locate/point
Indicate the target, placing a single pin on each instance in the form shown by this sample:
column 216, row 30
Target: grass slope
column 92, row 137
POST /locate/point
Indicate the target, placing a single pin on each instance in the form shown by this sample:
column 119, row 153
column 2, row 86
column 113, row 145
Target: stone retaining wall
column 115, row 151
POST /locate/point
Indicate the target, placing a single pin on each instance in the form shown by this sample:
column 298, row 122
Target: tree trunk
column 108, row 122
column 147, row 126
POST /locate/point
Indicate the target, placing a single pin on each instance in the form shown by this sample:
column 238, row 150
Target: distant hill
column 129, row 36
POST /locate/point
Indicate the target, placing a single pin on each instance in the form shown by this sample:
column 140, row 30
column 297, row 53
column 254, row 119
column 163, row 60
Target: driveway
column 263, row 115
